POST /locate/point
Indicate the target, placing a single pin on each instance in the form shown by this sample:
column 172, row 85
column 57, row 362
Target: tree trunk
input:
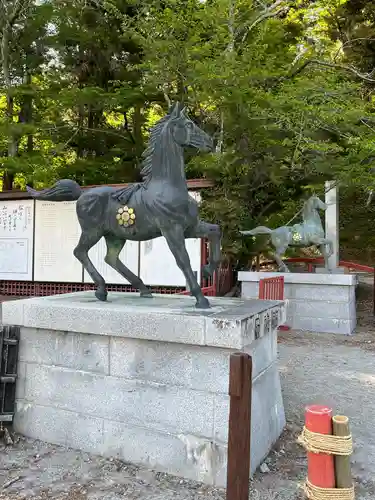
column 181, row 88
column 8, row 178
column 137, row 129
column 25, row 114
column 12, row 139
column 28, row 105
column 81, row 123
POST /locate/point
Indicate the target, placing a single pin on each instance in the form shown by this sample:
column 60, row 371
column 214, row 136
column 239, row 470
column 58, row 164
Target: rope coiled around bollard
column 324, row 443
column 316, row 493
column 314, row 442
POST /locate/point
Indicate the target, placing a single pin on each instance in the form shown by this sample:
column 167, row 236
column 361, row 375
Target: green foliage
column 88, row 78
column 86, row 117
column 283, row 132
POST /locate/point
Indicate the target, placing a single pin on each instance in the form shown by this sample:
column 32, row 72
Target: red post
column 320, row 467
column 204, row 258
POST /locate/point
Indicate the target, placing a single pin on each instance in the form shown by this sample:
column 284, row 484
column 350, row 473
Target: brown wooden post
column 240, row 387
column 343, row 472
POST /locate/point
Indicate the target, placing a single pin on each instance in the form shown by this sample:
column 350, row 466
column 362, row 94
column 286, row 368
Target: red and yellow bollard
column 328, row 443
column 320, row 466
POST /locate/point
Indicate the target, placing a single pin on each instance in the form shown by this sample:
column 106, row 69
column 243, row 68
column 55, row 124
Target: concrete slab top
column 159, row 303
column 302, row 278
column 172, row 318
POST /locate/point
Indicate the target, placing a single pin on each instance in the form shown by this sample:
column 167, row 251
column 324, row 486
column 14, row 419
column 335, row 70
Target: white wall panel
column 16, row 239
column 158, row 265
column 129, row 256
column 57, row 232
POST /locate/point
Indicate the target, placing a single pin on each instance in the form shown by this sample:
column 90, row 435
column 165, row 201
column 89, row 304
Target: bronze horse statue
column 158, row 206
column 309, row 233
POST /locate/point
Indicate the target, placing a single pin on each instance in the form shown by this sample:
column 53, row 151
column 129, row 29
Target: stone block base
column 315, row 302
column 152, row 387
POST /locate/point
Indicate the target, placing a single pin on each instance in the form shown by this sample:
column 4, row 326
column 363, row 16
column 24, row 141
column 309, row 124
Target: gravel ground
column 36, row 470
column 328, row 369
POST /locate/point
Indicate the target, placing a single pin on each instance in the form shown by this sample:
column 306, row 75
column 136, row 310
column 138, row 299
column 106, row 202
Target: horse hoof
column 146, row 294
column 203, row 303
column 101, row 295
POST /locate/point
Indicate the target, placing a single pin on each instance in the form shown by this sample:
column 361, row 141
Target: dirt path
column 334, row 370
column 322, row 369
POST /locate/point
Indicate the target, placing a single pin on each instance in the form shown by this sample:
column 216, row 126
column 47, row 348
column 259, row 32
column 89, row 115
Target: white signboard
column 196, row 195
column 129, row 256
column 16, row 240
column 57, row 232
column 158, row 265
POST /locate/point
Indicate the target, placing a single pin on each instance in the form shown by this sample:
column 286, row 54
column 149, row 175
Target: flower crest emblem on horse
column 308, row 233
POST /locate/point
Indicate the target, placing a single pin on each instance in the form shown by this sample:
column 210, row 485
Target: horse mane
column 124, row 194
column 147, row 154
column 306, row 208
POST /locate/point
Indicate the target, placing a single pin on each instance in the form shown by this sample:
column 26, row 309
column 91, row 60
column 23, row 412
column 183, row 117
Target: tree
column 76, row 100
column 24, row 52
column 282, row 130
column 287, row 98
column 100, row 86
column 11, row 15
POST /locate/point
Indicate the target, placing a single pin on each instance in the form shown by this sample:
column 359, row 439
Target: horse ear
column 171, row 108
column 175, row 111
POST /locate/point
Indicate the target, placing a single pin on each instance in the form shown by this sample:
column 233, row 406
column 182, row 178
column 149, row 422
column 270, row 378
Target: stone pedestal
column 335, row 270
column 145, row 380
column 315, row 302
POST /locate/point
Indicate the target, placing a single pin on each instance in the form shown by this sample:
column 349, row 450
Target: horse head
column 316, row 203
column 186, row 133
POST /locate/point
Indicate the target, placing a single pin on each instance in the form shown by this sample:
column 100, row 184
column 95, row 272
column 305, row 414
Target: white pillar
column 332, row 221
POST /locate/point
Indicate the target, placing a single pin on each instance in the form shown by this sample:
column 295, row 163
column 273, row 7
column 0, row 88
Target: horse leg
column 326, row 256
column 81, row 252
column 283, row 268
column 114, row 247
column 331, row 250
column 213, row 233
column 322, row 243
column 280, row 248
column 176, row 241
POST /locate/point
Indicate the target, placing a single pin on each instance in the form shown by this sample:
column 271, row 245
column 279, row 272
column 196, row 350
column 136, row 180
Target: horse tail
column 64, row 190
column 257, row 230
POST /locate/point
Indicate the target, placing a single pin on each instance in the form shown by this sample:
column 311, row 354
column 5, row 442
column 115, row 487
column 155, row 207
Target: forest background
column 286, row 88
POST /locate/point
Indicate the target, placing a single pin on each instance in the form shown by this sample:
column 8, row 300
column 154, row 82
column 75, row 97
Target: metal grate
column 271, row 288
column 9, row 343
column 32, row 289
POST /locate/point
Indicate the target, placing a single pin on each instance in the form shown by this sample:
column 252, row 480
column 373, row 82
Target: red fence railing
column 271, row 288
column 311, row 262
column 222, row 280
